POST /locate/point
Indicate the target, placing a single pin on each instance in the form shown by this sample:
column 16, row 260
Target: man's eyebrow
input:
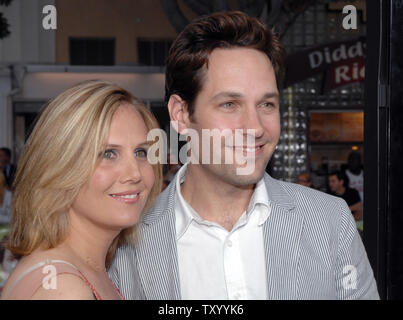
column 269, row 95
column 227, row 94
column 237, row 95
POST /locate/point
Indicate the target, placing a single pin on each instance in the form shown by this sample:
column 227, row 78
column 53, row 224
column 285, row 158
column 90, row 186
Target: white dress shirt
column 216, row 264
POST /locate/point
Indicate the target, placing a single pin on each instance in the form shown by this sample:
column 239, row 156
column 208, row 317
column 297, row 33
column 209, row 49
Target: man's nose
column 252, row 120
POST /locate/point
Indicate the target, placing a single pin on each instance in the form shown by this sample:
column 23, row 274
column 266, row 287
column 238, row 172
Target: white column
column 28, row 42
column 6, row 109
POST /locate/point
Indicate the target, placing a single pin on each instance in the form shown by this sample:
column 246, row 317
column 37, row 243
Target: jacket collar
column 277, row 194
column 164, row 204
column 166, row 201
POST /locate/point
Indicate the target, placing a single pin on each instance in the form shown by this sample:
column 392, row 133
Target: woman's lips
column 126, row 197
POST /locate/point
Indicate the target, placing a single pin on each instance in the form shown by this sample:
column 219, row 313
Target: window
column 92, row 51
column 153, row 52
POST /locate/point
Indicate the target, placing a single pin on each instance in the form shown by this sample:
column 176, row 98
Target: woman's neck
column 89, row 243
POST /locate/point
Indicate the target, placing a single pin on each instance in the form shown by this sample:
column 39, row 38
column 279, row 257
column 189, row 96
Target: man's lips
column 248, row 148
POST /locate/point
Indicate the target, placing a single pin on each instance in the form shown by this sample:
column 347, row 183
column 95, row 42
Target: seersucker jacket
column 312, row 249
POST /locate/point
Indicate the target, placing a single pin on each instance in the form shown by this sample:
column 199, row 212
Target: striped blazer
column 312, row 249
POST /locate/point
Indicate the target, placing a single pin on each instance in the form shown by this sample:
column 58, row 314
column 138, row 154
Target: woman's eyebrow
column 141, row 144
column 113, row 145
column 146, row 143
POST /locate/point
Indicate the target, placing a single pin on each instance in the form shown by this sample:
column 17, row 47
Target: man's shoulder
column 301, row 193
column 352, row 191
column 352, row 196
column 309, row 201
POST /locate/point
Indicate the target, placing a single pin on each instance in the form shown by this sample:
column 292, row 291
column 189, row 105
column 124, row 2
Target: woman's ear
column 178, row 113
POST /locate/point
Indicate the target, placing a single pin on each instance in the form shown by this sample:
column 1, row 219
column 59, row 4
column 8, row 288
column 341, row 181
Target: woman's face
column 115, row 195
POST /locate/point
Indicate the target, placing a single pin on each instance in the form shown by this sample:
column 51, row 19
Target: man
column 6, row 166
column 215, row 233
column 355, row 173
column 339, row 186
column 304, row 179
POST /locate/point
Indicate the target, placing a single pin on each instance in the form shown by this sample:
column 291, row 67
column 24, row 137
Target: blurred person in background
column 6, row 166
column 5, row 200
column 339, row 186
column 304, row 178
column 7, row 262
column 355, row 173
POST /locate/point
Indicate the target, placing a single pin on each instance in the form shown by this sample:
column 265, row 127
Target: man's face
column 354, row 162
column 239, row 93
column 334, row 183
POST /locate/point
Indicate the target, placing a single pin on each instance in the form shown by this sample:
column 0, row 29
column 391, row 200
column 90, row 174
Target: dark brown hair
column 191, row 49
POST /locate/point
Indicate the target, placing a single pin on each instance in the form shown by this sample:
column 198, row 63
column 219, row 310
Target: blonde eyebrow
column 145, row 144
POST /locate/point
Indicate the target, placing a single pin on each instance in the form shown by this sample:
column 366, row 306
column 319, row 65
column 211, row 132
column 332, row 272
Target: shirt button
column 229, row 243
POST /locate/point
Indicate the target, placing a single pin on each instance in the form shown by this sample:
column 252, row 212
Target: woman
column 82, row 184
column 5, row 200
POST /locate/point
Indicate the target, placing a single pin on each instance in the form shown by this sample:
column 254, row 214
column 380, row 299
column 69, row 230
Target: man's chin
column 243, row 181
column 247, row 179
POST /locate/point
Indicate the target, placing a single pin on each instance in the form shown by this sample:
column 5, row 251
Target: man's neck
column 215, row 200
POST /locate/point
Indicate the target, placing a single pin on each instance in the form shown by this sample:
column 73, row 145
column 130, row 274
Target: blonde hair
column 60, row 156
column 3, row 187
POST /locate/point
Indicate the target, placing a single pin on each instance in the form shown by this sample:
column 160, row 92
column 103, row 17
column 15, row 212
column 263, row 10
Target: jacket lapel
column 157, row 251
column 282, row 232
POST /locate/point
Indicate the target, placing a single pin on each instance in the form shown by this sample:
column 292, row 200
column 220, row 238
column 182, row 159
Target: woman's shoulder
column 65, row 286
column 46, row 274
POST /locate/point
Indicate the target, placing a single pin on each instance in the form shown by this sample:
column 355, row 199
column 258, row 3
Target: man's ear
column 178, row 113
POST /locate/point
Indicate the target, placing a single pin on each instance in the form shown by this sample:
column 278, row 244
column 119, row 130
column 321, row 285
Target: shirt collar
column 185, row 213
column 260, row 197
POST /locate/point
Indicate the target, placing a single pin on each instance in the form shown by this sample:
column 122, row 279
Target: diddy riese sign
column 342, row 62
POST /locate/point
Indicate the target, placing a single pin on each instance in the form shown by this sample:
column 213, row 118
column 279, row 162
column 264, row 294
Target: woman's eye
column 141, row 153
column 109, row 154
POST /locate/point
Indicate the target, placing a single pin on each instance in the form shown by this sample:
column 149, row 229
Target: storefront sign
column 308, row 63
column 344, row 73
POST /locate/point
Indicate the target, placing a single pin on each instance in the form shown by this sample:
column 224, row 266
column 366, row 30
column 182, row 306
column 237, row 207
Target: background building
column 127, row 41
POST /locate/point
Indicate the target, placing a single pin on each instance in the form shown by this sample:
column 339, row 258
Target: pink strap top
column 35, row 278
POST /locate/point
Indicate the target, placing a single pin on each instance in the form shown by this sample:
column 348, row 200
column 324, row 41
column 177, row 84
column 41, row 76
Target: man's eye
column 109, row 154
column 141, row 153
column 268, row 105
column 228, row 105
